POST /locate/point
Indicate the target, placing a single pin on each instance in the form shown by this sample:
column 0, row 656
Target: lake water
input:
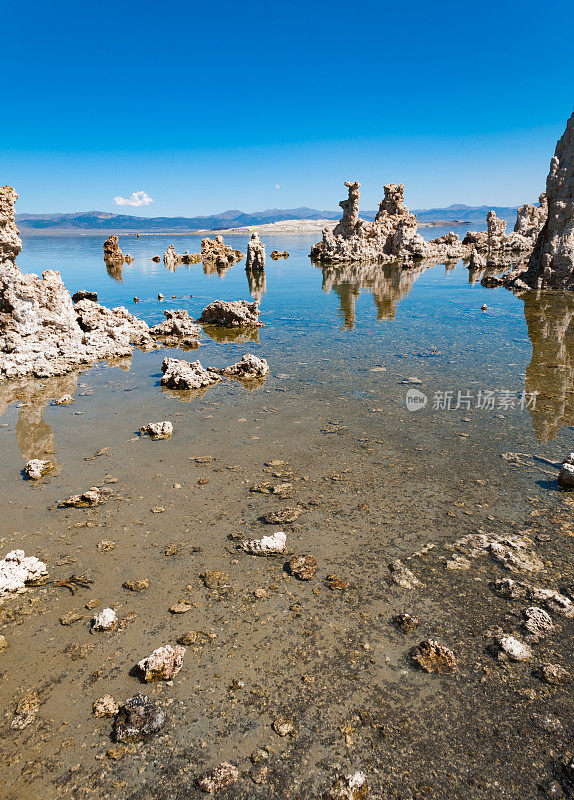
column 376, row 480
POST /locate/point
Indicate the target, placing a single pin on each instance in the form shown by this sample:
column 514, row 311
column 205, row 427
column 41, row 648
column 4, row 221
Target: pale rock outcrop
column 105, row 706
column 392, row 236
column 248, row 368
column 105, row 620
column 163, row 664
column 158, row 430
column 178, row 328
column 219, row 253
column 179, row 374
column 42, row 333
column 36, row 468
column 267, row 545
column 530, row 219
column 512, row 649
column 112, row 252
column 17, row 569
column 233, row 314
column 255, row 253
column 495, row 246
column 552, row 261
column 172, row 259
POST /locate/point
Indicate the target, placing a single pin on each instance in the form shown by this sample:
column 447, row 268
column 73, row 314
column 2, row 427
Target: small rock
column 259, row 775
column 214, row 579
column 3, row 643
column 537, row 622
column 406, row 622
column 283, row 516
column 163, row 664
column 458, row 562
column 105, row 706
column 402, row 576
column 218, row 777
column 158, row 430
column 136, row 300
column 84, row 295
column 181, row 608
column 106, row 620
column 136, row 586
column 92, row 497
column 336, row 583
column 260, row 593
column 283, row 726
column 65, row 400
column 303, row 567
column 259, row 755
column 36, row 468
column 137, row 719
column 553, row 674
column 511, row 649
column 268, row 545
column 566, row 476
column 431, row 656
column 70, row 618
column 26, row 711
column 484, row 307
column 349, row 787
column 160, row 296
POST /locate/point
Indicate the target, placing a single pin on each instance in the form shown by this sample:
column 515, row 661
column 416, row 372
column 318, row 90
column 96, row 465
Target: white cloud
column 135, row 199
column 277, row 186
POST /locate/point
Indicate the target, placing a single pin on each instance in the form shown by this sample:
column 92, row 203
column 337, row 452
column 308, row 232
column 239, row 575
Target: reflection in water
column 114, row 269
column 189, row 395
column 35, row 437
column 257, row 283
column 211, row 268
column 231, row 335
column 550, row 320
column 387, row 283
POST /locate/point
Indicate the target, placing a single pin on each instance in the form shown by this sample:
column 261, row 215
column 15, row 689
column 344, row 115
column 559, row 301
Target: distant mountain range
column 104, row 221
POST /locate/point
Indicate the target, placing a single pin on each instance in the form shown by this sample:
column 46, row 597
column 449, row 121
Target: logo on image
column 416, row 400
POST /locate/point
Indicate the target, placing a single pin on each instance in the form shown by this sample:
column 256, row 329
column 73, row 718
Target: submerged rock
column 137, row 585
column 277, row 254
column 179, row 374
column 248, row 368
column 407, row 623
column 255, row 253
column 553, row 674
column 283, row 516
column 233, row 314
column 178, row 328
column 158, row 430
column 431, row 656
column 17, row 569
column 137, row 719
column 268, row 545
column 87, row 499
column 36, row 468
column 218, row 777
column 163, row 664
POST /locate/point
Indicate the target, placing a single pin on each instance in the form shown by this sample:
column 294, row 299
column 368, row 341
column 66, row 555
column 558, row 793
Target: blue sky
column 211, row 106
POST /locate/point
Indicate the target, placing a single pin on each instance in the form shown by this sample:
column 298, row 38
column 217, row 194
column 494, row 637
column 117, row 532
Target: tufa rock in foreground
column 392, row 236
column 42, row 333
column 17, row 569
column 234, row 314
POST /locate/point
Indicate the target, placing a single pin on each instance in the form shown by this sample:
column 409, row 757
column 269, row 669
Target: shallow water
column 377, row 481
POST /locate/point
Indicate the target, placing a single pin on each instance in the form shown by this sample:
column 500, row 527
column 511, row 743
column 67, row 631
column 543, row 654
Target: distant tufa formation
column 219, row 253
column 172, row 259
column 392, row 236
column 112, row 252
column 495, row 247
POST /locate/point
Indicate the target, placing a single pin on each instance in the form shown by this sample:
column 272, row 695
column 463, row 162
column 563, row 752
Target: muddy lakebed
column 296, row 682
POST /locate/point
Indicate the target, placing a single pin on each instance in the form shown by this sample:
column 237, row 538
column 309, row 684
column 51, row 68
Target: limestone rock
column 137, row 719
column 219, row 253
column 553, row 674
column 407, row 623
column 255, row 253
column 392, row 236
column 87, row 499
column 36, row 468
column 137, row 585
column 431, row 656
column 282, row 516
column 402, row 576
column 105, row 620
column 248, row 368
column 105, row 706
column 178, row 374
column 218, row 777
column 158, row 430
column 17, row 569
column 177, row 328
column 552, row 260
column 26, row 711
column 566, row 476
column 530, row 219
column 303, row 567
column 537, row 623
column 277, row 254
column 349, row 787
column 172, row 259
column 112, row 250
column 553, row 600
column 163, row 664
column 234, row 314
column 268, row 545
column 512, row 649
